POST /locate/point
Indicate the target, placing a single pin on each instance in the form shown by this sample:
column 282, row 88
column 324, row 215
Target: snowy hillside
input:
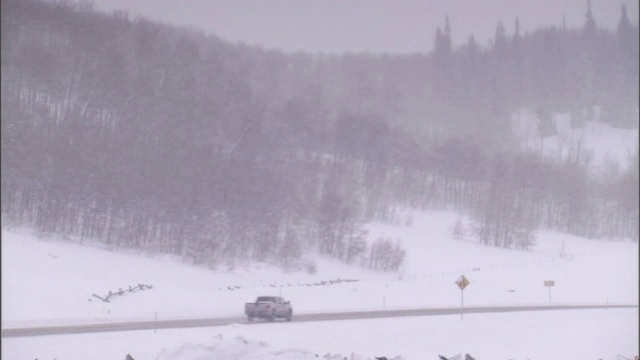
column 52, row 282
column 598, row 142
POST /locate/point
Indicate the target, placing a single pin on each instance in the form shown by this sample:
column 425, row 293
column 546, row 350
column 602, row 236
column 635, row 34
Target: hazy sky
column 395, row 26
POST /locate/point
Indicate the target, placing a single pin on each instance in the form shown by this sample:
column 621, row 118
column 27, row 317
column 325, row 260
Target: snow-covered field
column 51, row 282
column 599, row 143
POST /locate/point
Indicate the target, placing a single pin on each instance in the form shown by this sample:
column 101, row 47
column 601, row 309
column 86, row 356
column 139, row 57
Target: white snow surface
column 51, row 281
column 596, row 143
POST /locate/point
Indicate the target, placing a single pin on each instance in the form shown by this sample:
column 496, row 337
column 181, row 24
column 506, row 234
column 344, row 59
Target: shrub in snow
column 385, row 255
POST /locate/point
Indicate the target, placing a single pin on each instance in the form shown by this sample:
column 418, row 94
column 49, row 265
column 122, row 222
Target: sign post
column 549, row 284
column 462, row 283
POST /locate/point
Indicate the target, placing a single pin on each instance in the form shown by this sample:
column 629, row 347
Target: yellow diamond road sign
column 462, row 282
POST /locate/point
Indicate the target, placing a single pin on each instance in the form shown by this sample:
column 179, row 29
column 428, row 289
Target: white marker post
column 549, row 284
column 462, row 283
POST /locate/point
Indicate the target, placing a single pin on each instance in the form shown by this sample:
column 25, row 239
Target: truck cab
column 268, row 308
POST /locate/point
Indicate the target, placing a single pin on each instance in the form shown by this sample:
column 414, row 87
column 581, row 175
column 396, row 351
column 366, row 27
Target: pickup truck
column 268, row 308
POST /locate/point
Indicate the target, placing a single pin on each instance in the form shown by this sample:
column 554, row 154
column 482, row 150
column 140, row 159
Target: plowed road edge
column 190, row 323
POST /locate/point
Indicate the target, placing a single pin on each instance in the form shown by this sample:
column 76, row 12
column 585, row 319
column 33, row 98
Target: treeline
column 548, row 71
column 138, row 134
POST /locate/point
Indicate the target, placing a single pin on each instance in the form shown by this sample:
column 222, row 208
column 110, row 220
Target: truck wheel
column 289, row 315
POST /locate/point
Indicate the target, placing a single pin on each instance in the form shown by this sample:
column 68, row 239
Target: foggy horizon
column 378, row 26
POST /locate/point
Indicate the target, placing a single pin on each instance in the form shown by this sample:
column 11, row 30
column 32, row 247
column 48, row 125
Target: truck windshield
column 266, row 298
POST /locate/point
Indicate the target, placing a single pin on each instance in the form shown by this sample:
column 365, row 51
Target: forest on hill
column 143, row 135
